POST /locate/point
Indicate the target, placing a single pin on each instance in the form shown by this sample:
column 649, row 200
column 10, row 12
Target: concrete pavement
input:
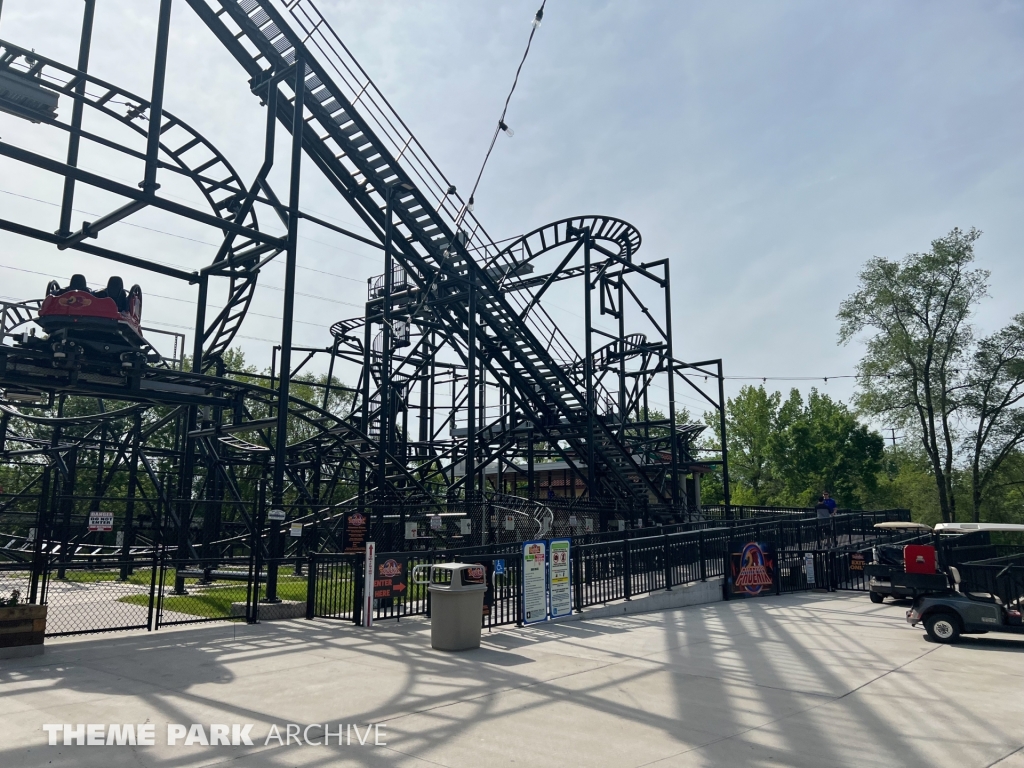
column 799, row 680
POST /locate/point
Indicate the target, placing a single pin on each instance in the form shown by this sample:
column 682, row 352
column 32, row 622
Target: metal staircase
column 363, row 147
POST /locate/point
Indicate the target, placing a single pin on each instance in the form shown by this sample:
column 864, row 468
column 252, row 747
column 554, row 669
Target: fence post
column 627, row 571
column 700, row 555
column 157, row 566
column 668, row 565
column 577, row 579
column 311, row 586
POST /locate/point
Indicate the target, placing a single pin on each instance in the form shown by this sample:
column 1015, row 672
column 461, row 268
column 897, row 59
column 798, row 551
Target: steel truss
column 472, row 403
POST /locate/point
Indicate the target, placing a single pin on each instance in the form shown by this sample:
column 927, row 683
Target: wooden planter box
column 22, row 628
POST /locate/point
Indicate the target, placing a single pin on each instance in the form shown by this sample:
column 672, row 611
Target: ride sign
column 389, row 580
column 751, row 569
column 354, row 535
column 535, row 582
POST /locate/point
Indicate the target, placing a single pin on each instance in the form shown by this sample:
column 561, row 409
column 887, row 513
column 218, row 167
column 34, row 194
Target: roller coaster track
column 363, row 147
column 189, row 154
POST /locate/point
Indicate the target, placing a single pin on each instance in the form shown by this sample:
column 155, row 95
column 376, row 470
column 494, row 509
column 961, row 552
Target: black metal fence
column 149, row 590
column 606, row 569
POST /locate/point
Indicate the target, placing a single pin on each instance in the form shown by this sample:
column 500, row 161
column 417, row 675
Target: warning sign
column 101, row 522
column 561, row 586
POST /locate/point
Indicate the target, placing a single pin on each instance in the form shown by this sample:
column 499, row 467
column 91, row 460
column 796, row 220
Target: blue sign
column 499, row 567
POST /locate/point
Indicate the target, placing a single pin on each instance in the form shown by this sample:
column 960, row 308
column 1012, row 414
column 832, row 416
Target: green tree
column 821, row 446
column 788, row 452
column 993, row 393
column 917, row 311
column 924, row 370
column 751, row 421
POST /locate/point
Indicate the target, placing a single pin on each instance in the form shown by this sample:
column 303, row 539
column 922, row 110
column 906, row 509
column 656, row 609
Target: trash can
column 456, row 604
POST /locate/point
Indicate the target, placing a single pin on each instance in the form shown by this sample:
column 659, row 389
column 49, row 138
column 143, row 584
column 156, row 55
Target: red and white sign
column 101, row 522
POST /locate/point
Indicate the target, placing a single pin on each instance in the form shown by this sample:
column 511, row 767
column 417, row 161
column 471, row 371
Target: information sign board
column 560, row 578
column 354, row 535
column 535, row 582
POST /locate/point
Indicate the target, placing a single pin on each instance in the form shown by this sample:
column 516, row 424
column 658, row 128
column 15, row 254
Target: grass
column 214, row 600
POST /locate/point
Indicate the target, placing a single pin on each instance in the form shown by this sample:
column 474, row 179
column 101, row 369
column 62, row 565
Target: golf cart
column 903, row 571
column 963, row 611
column 987, row 592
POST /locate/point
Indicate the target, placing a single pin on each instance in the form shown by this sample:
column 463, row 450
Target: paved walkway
column 801, row 680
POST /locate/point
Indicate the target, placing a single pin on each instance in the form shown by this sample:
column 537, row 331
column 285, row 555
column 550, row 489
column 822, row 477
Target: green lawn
column 214, row 600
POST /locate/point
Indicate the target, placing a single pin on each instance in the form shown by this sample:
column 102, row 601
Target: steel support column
column 74, row 137
column 291, row 255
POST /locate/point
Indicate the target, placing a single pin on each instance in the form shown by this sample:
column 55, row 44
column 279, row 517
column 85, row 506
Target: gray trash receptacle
column 456, row 605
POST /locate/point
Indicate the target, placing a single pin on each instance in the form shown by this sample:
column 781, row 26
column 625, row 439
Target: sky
column 767, row 149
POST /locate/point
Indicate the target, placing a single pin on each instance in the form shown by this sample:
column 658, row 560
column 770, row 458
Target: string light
column 502, row 125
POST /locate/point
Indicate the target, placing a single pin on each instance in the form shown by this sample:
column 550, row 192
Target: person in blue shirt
column 829, row 503
column 826, row 506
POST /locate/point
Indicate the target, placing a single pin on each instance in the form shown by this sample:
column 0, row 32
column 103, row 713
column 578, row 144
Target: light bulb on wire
column 469, row 205
column 508, row 131
column 538, row 18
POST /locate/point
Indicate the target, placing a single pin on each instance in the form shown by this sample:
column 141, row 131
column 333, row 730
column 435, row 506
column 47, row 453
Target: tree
column 788, row 452
column 821, row 446
column 912, row 371
column 993, row 392
column 751, row 419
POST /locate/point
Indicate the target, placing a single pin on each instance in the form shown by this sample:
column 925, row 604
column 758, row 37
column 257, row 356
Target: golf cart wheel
column 943, row 627
column 876, row 597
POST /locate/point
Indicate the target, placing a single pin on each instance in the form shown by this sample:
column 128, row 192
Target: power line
column 502, row 126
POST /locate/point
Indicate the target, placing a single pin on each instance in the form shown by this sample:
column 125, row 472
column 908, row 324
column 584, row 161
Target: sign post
column 560, row 579
column 535, row 582
column 368, row 586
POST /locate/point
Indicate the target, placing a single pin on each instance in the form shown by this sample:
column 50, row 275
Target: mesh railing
column 94, row 596
column 209, row 589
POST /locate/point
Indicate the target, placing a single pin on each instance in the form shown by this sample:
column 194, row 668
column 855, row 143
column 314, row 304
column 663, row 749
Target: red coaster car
column 93, row 314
